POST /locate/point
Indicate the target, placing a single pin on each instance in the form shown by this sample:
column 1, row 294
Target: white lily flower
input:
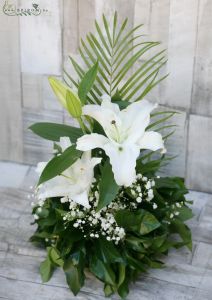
column 65, row 142
column 74, row 182
column 125, row 131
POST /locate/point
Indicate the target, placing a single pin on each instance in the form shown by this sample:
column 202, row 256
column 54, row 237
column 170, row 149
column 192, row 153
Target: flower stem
column 82, row 125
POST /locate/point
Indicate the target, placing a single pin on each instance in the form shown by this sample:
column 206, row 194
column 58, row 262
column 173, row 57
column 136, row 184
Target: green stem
column 82, row 125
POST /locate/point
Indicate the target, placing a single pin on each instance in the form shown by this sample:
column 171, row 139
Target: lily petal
column 74, row 182
column 103, row 115
column 92, row 161
column 107, row 115
column 81, row 199
column 136, row 118
column 106, row 103
column 91, row 141
column 56, row 187
column 65, row 142
column 123, row 161
column 152, row 140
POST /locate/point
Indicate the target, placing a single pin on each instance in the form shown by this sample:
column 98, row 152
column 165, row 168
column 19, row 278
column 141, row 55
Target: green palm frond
column 118, row 51
column 124, row 69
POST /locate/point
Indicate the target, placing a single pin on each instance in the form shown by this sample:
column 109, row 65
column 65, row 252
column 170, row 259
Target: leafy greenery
column 141, row 221
column 117, row 51
column 108, row 188
column 53, row 131
column 87, row 83
column 149, row 234
column 74, row 274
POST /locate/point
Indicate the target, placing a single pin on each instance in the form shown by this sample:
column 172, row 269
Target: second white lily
column 74, row 183
column 125, row 135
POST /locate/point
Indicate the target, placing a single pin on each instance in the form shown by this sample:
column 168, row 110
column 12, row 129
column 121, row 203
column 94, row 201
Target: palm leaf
column 118, row 49
column 134, row 77
column 114, row 48
column 153, row 74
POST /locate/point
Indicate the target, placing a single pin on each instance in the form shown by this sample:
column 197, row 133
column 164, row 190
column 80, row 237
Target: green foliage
column 59, row 164
column 87, row 83
column 46, row 270
column 108, row 188
column 150, row 167
column 149, row 234
column 177, row 226
column 74, row 273
column 117, row 51
column 55, row 257
column 141, row 222
column 107, row 252
column 102, row 270
column 53, row 131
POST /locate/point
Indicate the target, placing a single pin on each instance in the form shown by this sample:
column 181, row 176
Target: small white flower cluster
column 174, row 209
column 139, row 192
column 142, row 189
column 36, row 202
column 94, row 224
column 39, row 206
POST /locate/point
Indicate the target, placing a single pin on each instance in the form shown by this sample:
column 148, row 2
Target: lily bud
column 59, row 89
column 73, row 104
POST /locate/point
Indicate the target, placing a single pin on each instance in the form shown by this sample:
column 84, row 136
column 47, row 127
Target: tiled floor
column 186, row 276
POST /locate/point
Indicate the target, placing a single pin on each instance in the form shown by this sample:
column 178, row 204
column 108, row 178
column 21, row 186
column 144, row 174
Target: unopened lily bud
column 60, row 90
column 73, row 104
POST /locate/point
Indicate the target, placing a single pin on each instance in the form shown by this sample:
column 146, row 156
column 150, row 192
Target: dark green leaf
column 170, row 183
column 123, row 290
column 135, row 263
column 78, row 257
column 166, row 246
column 185, row 213
column 87, row 82
column 55, row 257
column 140, row 221
column 150, row 167
column 107, row 252
column 179, row 227
column 108, row 188
column 47, row 221
column 46, row 269
column 59, row 164
column 102, row 271
column 158, row 241
column 74, row 276
column 54, row 132
column 43, row 213
column 108, row 290
column 122, row 274
column 135, row 243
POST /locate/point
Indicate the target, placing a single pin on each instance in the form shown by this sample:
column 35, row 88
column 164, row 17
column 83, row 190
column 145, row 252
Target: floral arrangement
column 101, row 205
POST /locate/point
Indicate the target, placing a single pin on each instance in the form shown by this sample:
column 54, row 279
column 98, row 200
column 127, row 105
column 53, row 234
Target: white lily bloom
column 64, row 143
column 74, row 182
column 125, row 131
